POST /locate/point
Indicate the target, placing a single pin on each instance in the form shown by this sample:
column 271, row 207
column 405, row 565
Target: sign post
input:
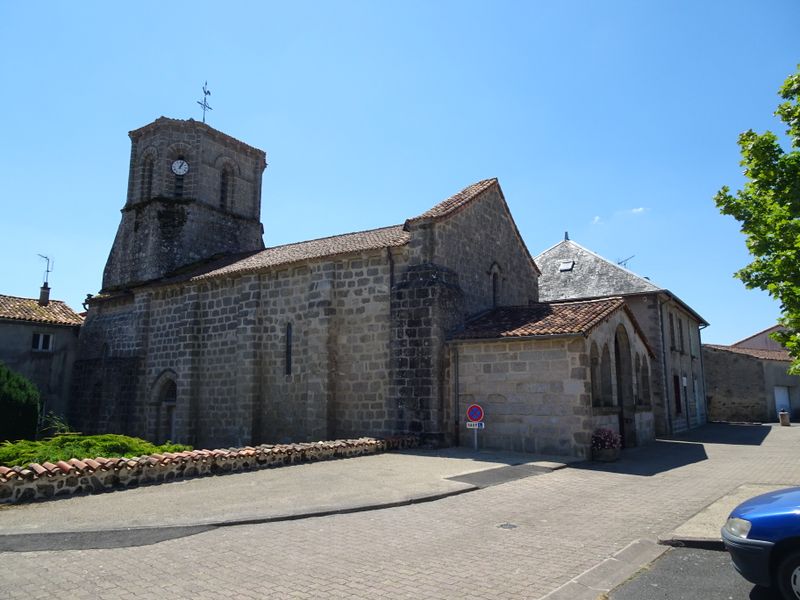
column 475, row 420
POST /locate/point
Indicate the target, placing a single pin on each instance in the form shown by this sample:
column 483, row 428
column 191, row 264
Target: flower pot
column 605, row 454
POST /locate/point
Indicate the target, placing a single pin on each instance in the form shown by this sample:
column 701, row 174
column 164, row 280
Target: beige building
column 672, row 328
column 543, row 374
column 39, row 340
column 749, row 380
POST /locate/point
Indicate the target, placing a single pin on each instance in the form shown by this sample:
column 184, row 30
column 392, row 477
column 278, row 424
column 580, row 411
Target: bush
column 64, row 447
column 19, row 406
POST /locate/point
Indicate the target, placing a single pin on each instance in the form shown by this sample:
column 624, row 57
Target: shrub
column 19, row 406
column 604, row 439
column 66, row 446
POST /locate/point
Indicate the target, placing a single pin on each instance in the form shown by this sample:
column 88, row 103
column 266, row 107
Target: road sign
column 475, row 413
column 476, row 425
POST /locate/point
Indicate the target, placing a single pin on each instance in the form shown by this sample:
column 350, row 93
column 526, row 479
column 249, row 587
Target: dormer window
column 566, row 265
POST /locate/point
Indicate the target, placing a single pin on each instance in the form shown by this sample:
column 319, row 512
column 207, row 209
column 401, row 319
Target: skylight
column 566, row 265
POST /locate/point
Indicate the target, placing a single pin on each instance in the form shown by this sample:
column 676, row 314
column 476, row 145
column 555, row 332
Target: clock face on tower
column 180, row 167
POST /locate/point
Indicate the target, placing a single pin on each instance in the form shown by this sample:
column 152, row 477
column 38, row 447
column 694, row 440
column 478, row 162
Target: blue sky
column 614, row 120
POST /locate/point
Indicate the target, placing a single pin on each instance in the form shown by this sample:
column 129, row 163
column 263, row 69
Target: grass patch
column 66, row 446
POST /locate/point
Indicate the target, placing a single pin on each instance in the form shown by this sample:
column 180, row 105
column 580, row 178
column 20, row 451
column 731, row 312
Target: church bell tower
column 193, row 193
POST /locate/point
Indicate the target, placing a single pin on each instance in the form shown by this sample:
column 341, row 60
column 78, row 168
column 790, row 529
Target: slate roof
column 780, row 355
column 591, row 275
column 28, row 309
column 300, row 251
column 541, row 319
column 456, row 201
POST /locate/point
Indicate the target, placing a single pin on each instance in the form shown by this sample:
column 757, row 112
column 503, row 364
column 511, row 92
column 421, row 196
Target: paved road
column 522, row 539
column 690, row 574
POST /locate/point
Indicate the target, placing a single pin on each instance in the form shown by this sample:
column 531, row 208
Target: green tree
column 768, row 208
column 19, row 406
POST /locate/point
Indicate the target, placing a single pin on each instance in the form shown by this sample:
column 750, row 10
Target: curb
column 144, row 536
column 699, row 543
column 610, row 573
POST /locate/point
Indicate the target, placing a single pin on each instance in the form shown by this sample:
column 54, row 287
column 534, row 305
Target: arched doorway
column 625, row 396
column 166, row 402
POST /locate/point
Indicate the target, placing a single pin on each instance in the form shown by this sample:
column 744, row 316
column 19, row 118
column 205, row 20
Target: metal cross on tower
column 204, row 103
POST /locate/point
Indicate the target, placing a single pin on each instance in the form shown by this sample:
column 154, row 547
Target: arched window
column 646, row 399
column 606, row 390
column 494, row 277
column 177, row 190
column 146, row 188
column 225, row 184
column 637, row 392
column 594, row 369
column 624, row 370
column 168, row 397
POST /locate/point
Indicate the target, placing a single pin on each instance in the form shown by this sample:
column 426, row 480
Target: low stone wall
column 64, row 478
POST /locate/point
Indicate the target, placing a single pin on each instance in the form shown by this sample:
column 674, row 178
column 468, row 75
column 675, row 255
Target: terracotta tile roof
column 299, row 452
column 301, row 251
column 781, row 355
column 455, row 201
column 541, row 319
column 28, row 309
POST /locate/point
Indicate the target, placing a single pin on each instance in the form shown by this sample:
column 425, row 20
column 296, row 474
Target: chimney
column 44, row 295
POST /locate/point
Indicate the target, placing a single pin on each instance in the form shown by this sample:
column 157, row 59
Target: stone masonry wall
column 223, row 343
column 105, row 387
column 640, row 413
column 426, row 308
column 736, row 387
column 475, row 242
column 534, row 394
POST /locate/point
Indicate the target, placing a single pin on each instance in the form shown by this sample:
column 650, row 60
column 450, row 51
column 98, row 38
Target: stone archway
column 625, row 396
column 165, row 400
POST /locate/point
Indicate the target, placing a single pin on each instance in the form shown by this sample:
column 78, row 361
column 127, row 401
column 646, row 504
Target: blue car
column 762, row 536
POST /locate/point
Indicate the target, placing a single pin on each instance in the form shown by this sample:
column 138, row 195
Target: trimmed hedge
column 70, row 445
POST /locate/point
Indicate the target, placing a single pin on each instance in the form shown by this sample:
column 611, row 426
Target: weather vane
column 204, row 103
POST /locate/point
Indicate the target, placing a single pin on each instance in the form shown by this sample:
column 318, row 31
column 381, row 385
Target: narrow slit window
column 147, row 180
column 224, row 183
column 671, row 332
column 495, row 289
column 178, row 192
column 288, row 348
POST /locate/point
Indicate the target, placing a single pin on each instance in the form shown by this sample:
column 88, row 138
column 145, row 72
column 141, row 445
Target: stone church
column 202, row 335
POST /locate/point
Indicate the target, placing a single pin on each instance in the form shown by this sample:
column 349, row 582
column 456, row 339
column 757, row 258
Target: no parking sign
column 475, row 420
column 475, row 413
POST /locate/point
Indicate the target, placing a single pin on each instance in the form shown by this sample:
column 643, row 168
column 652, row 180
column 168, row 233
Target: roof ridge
column 456, row 201
column 765, row 330
column 604, row 259
column 29, row 298
column 329, row 237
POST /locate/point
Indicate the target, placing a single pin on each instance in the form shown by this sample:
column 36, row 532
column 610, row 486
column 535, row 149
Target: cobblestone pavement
column 554, row 527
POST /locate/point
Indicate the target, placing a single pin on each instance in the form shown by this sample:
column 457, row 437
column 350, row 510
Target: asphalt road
column 691, row 574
